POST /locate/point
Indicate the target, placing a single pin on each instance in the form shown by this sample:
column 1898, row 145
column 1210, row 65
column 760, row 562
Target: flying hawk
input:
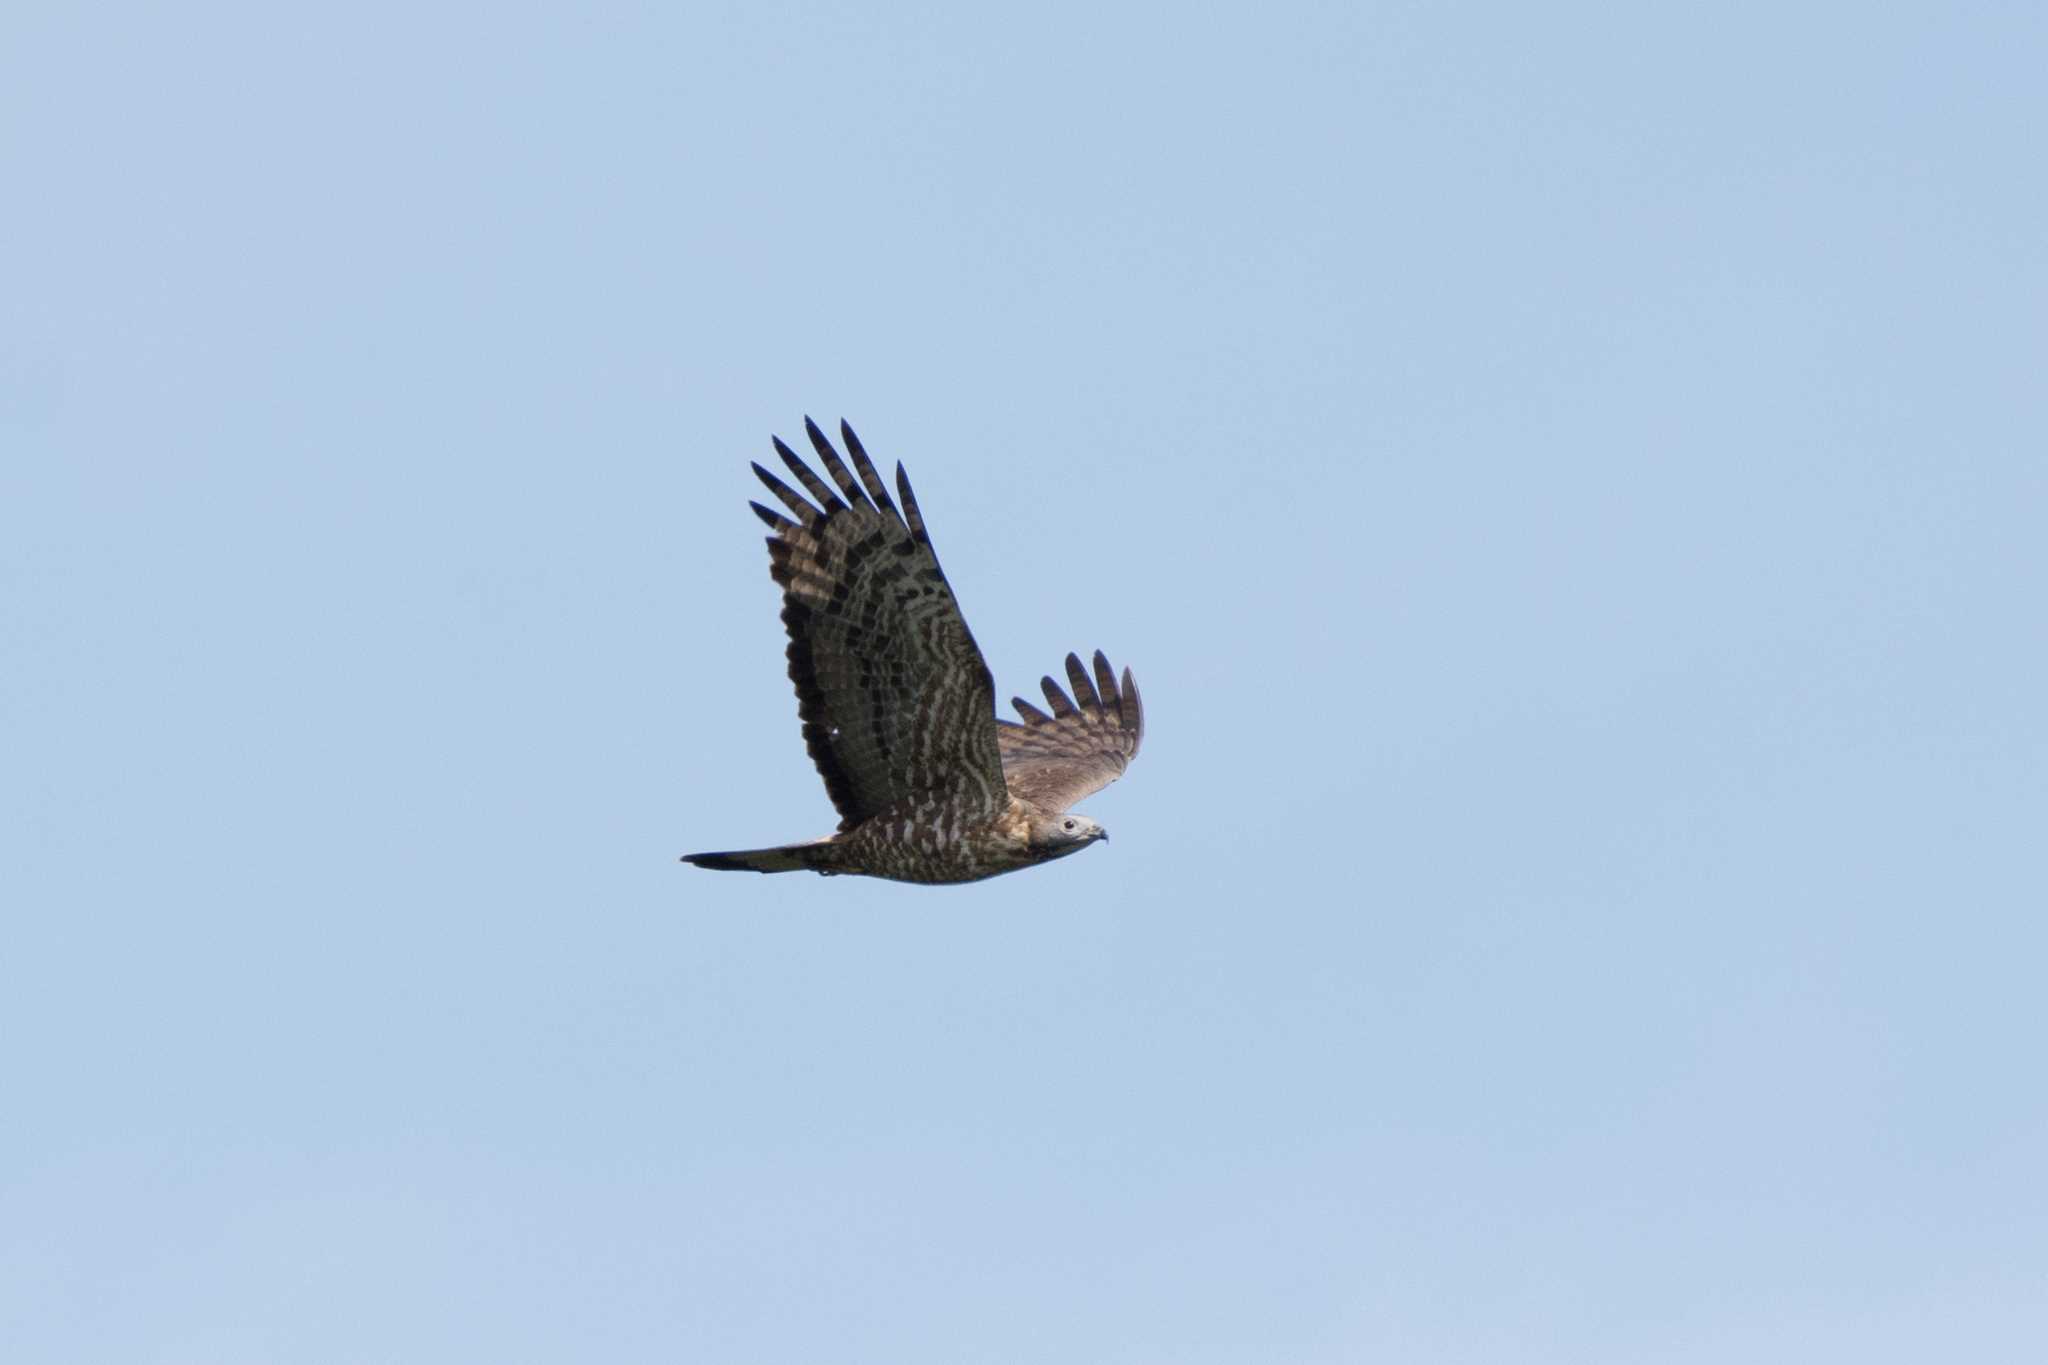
column 898, row 707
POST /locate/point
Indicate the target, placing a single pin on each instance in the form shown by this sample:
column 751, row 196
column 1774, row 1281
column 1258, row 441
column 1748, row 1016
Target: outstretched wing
column 895, row 699
column 1083, row 746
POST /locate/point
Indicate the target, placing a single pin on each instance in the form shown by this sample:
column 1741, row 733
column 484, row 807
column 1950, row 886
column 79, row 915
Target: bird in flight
column 898, row 707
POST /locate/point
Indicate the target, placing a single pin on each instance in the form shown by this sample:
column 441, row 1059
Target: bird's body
column 920, row 843
column 898, row 707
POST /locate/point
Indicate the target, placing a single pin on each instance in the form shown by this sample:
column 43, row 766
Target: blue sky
column 1569, row 479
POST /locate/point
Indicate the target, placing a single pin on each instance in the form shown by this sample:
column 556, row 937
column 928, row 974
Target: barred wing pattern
column 1083, row 746
column 897, row 705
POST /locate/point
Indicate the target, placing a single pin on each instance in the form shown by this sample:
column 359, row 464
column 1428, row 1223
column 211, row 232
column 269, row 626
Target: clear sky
column 1572, row 481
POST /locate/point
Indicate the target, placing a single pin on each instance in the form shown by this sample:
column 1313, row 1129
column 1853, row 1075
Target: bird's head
column 1058, row 833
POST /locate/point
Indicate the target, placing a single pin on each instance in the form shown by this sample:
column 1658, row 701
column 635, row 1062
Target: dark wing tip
column 865, row 467
column 1105, row 684
column 820, row 491
column 835, row 467
column 1083, row 685
column 1134, row 717
column 788, row 497
column 911, row 516
column 1061, row 706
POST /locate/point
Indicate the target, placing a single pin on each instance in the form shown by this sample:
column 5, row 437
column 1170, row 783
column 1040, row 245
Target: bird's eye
column 1070, row 824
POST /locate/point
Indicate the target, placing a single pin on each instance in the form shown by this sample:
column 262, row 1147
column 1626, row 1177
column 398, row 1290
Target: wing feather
column 910, row 514
column 1031, row 714
column 877, row 490
column 896, row 702
column 813, row 485
column 836, row 467
column 806, row 514
column 1084, row 690
column 1083, row 746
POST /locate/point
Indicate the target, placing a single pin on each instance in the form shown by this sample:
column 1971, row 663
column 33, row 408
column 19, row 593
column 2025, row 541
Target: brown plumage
column 898, row 707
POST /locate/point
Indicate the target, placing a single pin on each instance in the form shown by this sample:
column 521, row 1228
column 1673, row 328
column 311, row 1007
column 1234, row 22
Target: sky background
column 1570, row 480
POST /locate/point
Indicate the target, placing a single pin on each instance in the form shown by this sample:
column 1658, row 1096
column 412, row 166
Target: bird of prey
column 898, row 707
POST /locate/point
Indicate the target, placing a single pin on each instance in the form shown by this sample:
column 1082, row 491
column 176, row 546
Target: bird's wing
column 895, row 699
column 1083, row 746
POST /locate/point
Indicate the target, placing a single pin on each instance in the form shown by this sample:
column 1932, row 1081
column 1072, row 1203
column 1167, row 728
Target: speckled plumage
column 897, row 705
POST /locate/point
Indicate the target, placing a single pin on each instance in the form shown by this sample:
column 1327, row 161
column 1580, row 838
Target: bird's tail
column 820, row 856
